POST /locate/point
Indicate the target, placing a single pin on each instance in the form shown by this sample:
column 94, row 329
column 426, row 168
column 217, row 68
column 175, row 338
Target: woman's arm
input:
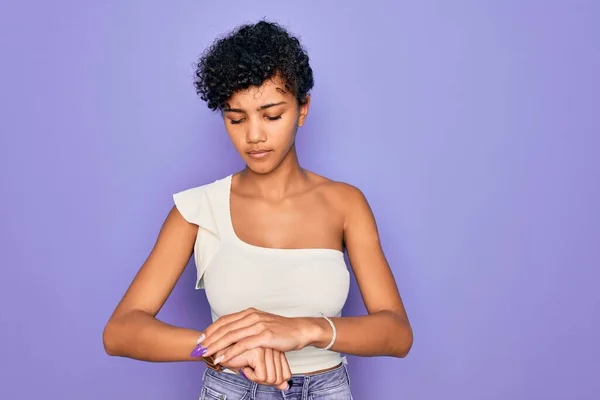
column 385, row 331
column 133, row 330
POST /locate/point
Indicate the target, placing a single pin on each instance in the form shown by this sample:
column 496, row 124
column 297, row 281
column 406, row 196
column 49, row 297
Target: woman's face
column 262, row 124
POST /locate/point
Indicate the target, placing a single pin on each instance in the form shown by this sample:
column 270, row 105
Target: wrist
column 316, row 332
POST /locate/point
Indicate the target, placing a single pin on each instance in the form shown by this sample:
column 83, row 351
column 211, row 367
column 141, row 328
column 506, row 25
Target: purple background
column 472, row 127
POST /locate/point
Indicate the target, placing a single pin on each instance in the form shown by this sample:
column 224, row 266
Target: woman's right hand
column 262, row 365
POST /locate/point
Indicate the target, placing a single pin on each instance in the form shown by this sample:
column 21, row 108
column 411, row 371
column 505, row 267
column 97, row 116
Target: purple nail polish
column 198, row 351
column 241, row 371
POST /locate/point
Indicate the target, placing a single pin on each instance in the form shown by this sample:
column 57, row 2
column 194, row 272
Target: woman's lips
column 258, row 154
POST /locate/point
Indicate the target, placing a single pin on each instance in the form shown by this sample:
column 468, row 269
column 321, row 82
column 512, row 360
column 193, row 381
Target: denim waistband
column 302, row 385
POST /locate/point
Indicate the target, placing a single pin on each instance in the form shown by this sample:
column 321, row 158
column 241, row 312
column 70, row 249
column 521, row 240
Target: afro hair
column 248, row 56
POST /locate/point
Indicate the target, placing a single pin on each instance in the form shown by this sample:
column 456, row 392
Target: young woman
column 268, row 244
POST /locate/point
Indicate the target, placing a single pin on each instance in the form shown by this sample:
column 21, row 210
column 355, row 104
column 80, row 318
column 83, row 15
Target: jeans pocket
column 340, row 393
column 210, row 394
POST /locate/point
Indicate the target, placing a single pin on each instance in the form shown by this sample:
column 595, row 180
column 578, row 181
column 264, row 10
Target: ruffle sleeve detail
column 195, row 207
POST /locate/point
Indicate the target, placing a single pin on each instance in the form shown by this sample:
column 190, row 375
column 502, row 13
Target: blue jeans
column 329, row 385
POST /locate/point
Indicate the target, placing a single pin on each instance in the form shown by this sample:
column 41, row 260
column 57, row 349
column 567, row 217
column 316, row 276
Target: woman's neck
column 288, row 178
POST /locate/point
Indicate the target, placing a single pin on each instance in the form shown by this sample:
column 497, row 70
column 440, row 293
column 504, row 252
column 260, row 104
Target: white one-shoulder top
column 237, row 275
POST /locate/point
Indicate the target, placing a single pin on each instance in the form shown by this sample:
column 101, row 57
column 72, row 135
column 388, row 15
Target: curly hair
column 248, row 56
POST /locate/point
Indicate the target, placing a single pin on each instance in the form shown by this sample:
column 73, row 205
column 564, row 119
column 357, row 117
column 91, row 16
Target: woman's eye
column 235, row 121
column 273, row 118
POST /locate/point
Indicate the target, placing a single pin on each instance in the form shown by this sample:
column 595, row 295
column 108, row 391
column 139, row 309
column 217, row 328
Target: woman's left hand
column 253, row 328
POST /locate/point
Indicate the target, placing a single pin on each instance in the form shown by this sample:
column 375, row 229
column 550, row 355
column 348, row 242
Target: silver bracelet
column 334, row 333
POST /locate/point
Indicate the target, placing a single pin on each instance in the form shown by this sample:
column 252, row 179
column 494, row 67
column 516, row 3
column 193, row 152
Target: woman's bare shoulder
column 336, row 190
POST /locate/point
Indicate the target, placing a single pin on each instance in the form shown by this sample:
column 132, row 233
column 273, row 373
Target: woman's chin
column 258, row 167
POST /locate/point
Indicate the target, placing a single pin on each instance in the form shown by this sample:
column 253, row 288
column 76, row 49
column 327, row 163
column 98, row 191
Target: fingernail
column 198, row 351
column 201, row 339
column 219, row 359
column 241, row 371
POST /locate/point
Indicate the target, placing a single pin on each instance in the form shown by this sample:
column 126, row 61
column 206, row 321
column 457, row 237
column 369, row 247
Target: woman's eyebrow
column 263, row 107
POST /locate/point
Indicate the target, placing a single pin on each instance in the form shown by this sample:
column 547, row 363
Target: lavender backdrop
column 472, row 127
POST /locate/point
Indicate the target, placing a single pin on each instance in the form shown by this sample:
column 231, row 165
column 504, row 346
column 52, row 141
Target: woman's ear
column 304, row 110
